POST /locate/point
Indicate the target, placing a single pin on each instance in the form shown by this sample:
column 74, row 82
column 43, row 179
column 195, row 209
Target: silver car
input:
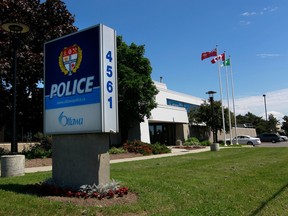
column 245, row 139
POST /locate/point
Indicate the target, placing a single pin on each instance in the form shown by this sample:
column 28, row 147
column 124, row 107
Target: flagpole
column 228, row 99
column 232, row 85
column 221, row 98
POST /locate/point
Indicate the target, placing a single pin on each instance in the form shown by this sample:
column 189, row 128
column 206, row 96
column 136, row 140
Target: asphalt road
column 269, row 144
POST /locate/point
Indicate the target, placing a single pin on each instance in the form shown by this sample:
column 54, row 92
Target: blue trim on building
column 176, row 103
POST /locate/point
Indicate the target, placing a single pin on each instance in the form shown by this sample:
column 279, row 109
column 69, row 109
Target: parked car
column 245, row 139
column 284, row 138
column 269, row 137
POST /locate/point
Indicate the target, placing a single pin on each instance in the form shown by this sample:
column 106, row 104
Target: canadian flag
column 217, row 58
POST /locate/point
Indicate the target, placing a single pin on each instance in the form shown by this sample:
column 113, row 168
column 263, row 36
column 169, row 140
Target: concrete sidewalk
column 174, row 152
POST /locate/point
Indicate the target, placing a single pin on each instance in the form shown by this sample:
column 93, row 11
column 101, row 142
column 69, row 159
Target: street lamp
column 15, row 29
column 265, row 106
column 211, row 99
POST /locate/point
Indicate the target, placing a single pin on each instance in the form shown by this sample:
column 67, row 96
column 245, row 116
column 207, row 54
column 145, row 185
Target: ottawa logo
column 69, row 121
column 70, row 59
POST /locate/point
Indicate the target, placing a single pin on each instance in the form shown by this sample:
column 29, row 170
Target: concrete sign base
column 80, row 159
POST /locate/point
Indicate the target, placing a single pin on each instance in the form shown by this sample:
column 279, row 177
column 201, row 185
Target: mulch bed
column 48, row 161
column 129, row 198
column 189, row 147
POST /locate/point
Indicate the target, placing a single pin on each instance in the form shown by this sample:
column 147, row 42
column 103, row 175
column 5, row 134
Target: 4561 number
column 109, row 74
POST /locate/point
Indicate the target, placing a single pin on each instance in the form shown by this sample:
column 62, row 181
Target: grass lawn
column 236, row 181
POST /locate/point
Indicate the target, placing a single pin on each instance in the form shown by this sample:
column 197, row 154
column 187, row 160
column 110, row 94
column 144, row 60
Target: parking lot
column 269, row 144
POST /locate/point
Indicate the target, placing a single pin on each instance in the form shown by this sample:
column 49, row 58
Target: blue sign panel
column 72, row 83
column 72, row 79
column 80, row 83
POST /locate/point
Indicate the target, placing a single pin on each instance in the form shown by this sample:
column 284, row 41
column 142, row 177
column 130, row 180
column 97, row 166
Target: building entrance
column 163, row 133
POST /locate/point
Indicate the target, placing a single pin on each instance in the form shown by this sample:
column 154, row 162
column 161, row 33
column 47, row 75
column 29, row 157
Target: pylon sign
column 80, row 82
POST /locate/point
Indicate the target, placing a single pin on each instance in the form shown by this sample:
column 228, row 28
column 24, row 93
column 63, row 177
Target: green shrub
column 115, row 150
column 37, row 151
column 158, row 148
column 221, row 142
column 191, row 141
column 3, row 151
column 44, row 140
column 41, row 150
column 205, row 143
column 137, row 146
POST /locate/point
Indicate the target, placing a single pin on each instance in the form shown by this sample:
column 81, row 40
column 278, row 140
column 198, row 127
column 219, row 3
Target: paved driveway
column 269, row 144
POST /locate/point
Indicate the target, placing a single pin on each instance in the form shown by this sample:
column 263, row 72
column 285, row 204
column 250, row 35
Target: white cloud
column 248, row 14
column 270, row 9
column 276, row 103
column 267, row 55
column 245, row 23
column 262, row 12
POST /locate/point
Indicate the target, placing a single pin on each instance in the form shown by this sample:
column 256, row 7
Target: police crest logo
column 70, row 59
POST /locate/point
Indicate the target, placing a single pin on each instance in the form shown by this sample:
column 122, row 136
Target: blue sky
column 176, row 32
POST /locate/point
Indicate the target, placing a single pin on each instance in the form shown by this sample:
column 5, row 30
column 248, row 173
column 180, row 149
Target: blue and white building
column 169, row 120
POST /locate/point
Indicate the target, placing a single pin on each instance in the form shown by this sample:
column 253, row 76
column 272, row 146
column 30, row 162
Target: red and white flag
column 217, row 58
column 205, row 55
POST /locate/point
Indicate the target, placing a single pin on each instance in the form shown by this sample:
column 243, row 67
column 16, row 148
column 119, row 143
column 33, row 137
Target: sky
column 175, row 32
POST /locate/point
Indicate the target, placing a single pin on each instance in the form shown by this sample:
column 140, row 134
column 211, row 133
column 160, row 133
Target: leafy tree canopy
column 203, row 114
column 285, row 124
column 271, row 124
column 135, row 87
column 46, row 21
column 259, row 123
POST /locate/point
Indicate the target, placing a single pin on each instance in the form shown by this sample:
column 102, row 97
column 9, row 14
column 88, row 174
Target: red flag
column 219, row 57
column 209, row 54
column 222, row 57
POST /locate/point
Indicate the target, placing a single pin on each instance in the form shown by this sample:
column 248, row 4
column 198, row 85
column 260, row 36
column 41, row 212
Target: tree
column 136, row 90
column 259, row 123
column 253, row 120
column 47, row 21
column 285, row 124
column 271, row 124
column 203, row 114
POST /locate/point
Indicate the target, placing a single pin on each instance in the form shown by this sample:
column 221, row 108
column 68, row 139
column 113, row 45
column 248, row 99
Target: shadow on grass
column 265, row 203
column 21, row 189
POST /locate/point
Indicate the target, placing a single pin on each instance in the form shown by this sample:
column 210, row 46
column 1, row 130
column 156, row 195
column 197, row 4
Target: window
column 187, row 106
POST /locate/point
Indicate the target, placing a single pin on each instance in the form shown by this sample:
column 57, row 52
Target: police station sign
column 81, row 82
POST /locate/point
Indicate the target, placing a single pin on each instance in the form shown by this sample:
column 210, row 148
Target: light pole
column 15, row 29
column 264, row 95
column 211, row 99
